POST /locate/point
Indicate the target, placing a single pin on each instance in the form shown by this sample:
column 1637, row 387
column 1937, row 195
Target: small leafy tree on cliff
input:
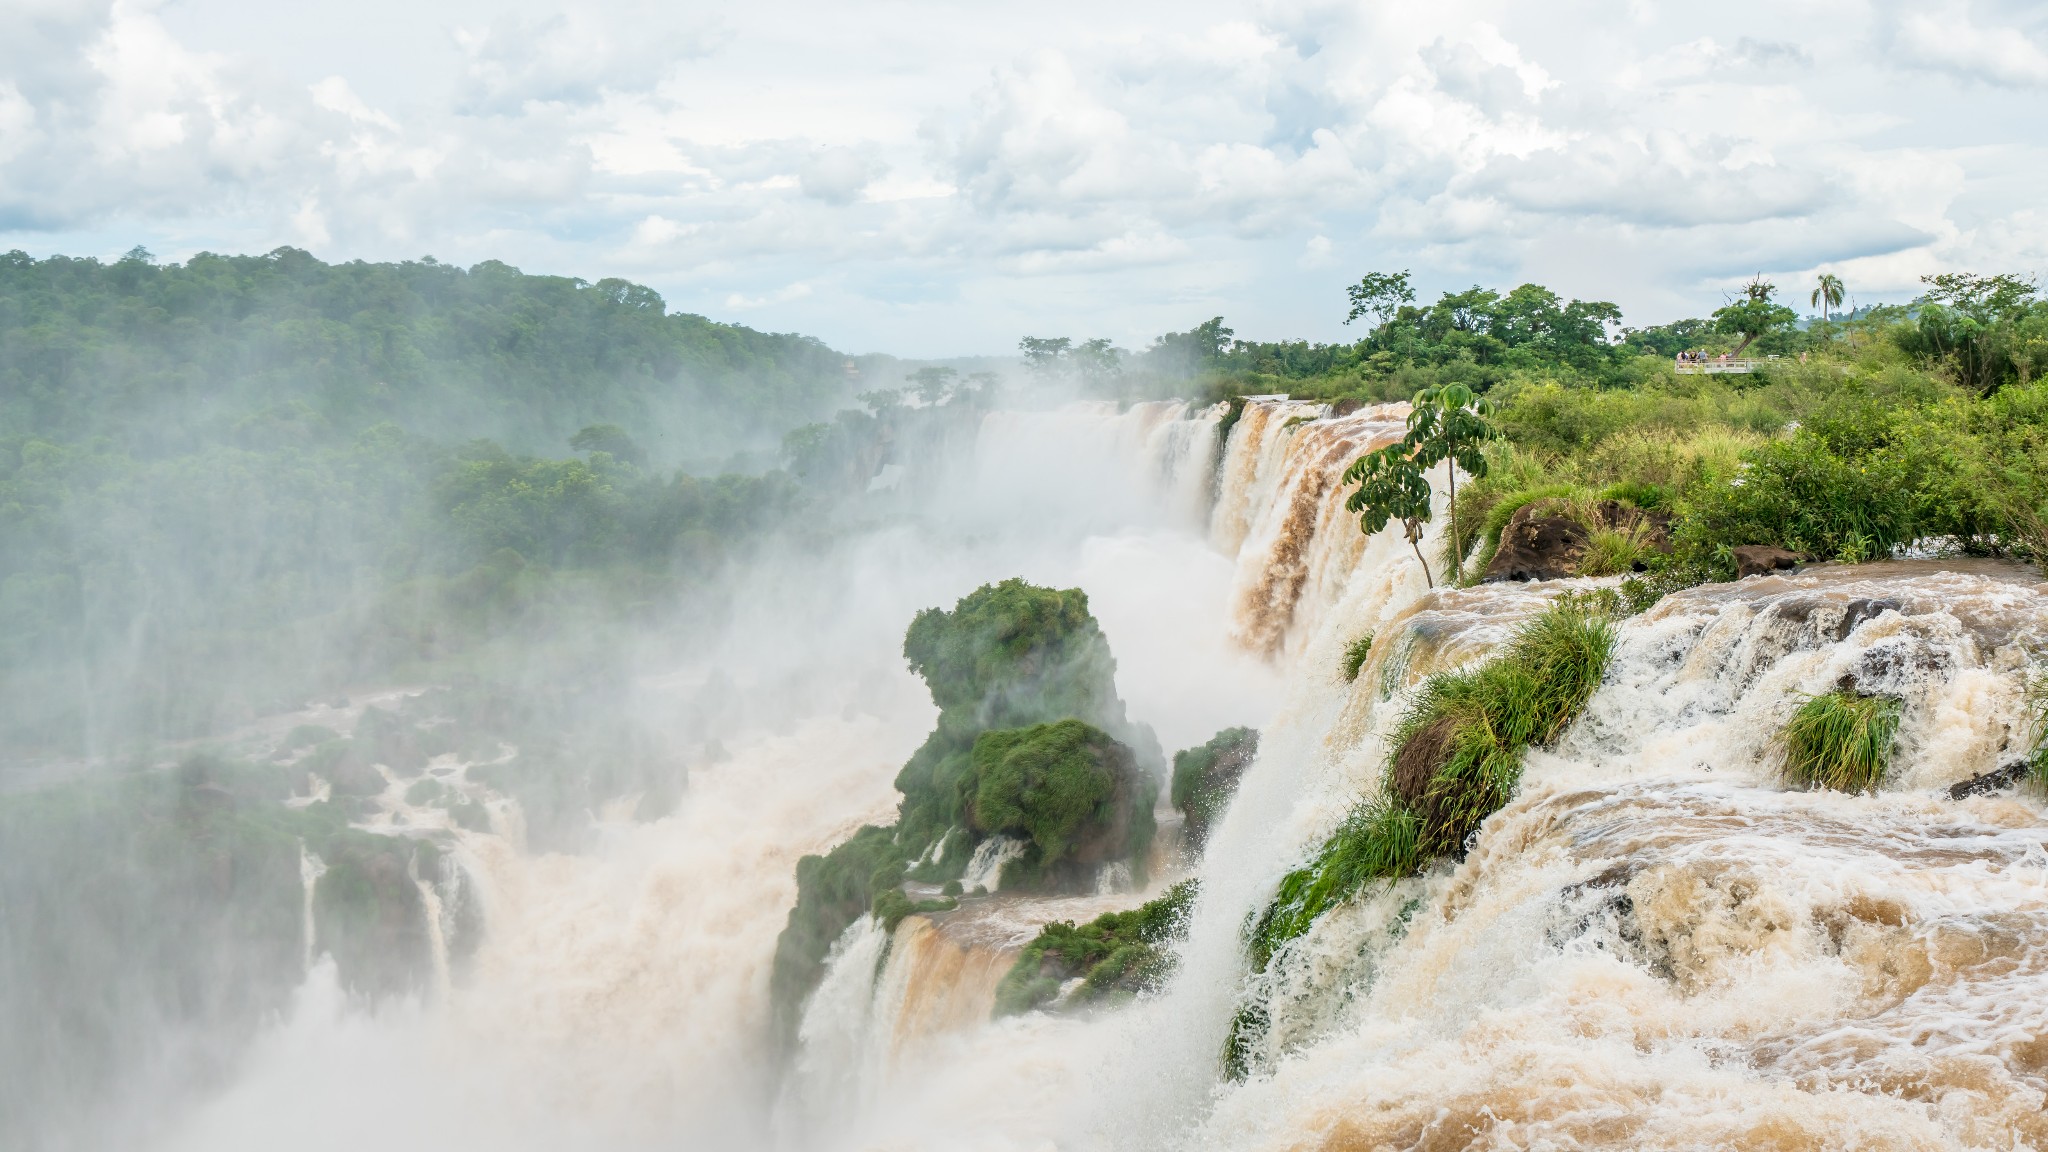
column 1391, row 486
column 1448, row 424
column 1754, row 314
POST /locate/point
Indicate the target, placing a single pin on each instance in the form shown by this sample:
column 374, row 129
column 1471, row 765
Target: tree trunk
column 1746, row 338
column 1415, row 542
column 1457, row 541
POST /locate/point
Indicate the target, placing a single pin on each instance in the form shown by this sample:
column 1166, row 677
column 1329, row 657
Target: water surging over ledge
column 1657, row 944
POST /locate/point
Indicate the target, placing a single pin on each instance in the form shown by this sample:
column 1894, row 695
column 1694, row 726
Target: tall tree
column 1754, row 314
column 1827, row 294
column 1379, row 295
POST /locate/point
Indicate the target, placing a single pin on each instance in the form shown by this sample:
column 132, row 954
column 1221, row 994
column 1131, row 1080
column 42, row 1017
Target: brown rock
column 1762, row 559
column 1537, row 545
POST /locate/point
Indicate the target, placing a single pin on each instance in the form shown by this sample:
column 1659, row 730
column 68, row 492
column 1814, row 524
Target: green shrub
column 1068, row 788
column 1841, row 740
column 1356, row 654
column 1204, row 778
column 1118, row 954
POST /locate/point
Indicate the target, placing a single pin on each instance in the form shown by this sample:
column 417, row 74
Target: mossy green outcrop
column 1031, row 742
column 1118, row 954
column 1206, row 776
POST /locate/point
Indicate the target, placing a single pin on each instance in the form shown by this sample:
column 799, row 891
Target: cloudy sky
column 940, row 178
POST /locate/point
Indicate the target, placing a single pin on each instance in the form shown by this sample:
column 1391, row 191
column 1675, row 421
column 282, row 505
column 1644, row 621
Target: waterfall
column 436, row 926
column 1656, row 943
column 1657, row 930
column 310, row 870
column 985, row 867
column 840, row 1042
column 1299, row 546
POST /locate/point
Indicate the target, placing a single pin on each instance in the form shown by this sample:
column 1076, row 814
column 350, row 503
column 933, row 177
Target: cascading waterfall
column 985, row 867
column 1300, row 548
column 311, row 868
column 1150, row 461
column 1656, row 944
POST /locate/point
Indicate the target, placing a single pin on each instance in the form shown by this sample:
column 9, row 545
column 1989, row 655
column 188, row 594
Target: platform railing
column 1717, row 365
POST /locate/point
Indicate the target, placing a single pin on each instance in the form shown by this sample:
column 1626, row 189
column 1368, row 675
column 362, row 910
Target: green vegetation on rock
column 1117, row 954
column 1031, row 741
column 1356, row 654
column 1067, row 788
column 1205, row 777
column 1457, row 756
column 1841, row 740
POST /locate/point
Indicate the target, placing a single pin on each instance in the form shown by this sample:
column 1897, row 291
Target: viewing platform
column 1717, row 365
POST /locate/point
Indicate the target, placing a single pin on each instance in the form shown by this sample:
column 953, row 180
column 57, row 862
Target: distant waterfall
column 1093, row 464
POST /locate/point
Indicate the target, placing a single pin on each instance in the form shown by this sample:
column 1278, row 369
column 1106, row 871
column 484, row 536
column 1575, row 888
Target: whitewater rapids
column 1656, row 945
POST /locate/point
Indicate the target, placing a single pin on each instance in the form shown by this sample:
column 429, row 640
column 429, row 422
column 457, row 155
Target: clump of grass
column 1356, row 654
column 2037, row 708
column 1841, row 740
column 1613, row 551
column 1457, row 758
column 1638, row 493
column 1118, row 954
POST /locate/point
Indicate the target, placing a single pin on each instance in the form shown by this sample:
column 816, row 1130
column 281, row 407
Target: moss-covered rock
column 1031, row 741
column 1070, row 790
column 1116, row 955
column 1206, row 776
column 368, row 913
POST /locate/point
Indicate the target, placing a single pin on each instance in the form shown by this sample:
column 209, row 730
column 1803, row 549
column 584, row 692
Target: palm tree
column 1828, row 294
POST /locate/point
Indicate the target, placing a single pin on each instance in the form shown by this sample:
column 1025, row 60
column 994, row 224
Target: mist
column 412, row 649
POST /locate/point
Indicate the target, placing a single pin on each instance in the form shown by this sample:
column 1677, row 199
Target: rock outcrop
column 1762, row 559
column 1545, row 539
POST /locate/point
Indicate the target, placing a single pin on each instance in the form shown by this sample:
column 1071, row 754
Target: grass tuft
column 1356, row 654
column 1614, row 551
column 1841, row 740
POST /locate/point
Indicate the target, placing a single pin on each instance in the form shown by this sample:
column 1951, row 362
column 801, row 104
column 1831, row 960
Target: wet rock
column 1346, row 406
column 1860, row 609
column 1536, row 545
column 1762, row 559
column 1997, row 780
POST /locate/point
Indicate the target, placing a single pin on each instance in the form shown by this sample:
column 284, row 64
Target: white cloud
column 1950, row 39
column 959, row 177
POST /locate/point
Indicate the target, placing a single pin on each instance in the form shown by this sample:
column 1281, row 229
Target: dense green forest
column 229, row 483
